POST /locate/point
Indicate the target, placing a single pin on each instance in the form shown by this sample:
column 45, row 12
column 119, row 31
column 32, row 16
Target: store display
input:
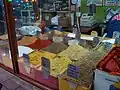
column 111, row 63
column 55, row 55
column 39, row 44
column 74, row 52
column 55, row 47
column 87, row 65
column 27, row 40
column 59, row 65
column 35, row 57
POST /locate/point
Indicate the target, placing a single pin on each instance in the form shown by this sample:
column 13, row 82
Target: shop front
column 54, row 45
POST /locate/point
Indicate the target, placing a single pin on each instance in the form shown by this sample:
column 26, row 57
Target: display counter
column 60, row 56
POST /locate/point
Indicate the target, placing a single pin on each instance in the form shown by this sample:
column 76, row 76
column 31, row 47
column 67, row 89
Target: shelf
column 48, row 11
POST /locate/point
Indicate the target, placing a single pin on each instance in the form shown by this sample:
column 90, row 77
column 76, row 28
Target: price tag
column 116, row 34
column 107, row 46
column 26, row 58
column 65, row 40
column 46, row 67
column 117, row 41
column 26, row 62
column 73, row 71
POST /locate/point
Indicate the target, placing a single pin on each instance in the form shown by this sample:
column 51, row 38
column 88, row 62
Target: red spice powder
column 39, row 44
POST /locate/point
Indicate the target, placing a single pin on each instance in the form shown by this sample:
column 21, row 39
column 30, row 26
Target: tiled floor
column 11, row 82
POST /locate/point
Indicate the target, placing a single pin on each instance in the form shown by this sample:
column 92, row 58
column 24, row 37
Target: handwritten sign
column 73, row 71
column 45, row 67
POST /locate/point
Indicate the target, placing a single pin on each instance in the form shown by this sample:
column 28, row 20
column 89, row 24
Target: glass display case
column 49, row 58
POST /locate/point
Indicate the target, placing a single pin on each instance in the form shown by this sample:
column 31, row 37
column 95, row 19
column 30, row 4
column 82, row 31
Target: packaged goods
column 29, row 30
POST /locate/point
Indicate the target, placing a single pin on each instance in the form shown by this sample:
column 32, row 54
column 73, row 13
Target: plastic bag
column 29, row 30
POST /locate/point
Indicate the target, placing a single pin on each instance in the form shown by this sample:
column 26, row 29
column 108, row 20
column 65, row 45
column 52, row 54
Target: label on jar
column 73, row 71
column 46, row 67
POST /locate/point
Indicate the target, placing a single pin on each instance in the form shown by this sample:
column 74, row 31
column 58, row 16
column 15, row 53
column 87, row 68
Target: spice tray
column 111, row 62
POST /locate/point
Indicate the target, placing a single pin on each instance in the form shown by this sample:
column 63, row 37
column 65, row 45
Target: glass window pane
column 5, row 55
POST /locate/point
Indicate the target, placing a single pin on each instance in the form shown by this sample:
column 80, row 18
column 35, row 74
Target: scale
column 87, row 20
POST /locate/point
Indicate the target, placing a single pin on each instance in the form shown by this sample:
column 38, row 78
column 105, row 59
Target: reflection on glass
column 5, row 56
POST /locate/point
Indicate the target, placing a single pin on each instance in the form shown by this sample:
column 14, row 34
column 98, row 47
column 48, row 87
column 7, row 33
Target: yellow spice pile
column 58, row 64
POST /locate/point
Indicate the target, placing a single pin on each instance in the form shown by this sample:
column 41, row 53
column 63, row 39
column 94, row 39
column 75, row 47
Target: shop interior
column 62, row 44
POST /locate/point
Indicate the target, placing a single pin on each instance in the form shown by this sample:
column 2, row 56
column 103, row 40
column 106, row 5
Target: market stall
column 51, row 56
